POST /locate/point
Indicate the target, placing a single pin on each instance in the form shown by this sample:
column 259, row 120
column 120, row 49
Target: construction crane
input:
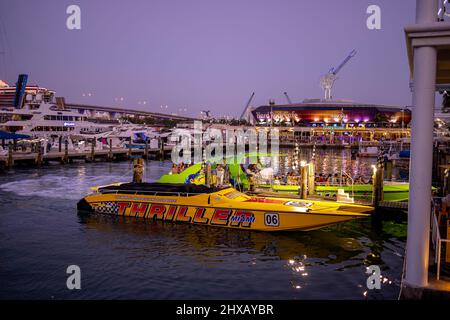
column 327, row 81
column 206, row 113
column 247, row 106
column 287, row 98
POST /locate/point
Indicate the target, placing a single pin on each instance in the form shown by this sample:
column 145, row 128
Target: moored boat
column 393, row 191
column 222, row 207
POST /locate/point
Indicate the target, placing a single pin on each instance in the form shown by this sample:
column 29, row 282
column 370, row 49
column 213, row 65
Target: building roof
column 319, row 104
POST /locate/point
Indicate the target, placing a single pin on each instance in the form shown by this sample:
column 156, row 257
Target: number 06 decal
column 271, row 219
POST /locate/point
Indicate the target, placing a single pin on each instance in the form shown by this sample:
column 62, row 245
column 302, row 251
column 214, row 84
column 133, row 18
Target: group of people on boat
column 337, row 179
column 322, row 179
column 179, row 168
column 256, row 174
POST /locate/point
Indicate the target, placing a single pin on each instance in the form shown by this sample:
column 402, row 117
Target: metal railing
column 436, row 239
column 352, row 180
column 150, row 192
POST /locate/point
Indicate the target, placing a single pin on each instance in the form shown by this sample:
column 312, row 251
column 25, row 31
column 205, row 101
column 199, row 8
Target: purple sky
column 206, row 53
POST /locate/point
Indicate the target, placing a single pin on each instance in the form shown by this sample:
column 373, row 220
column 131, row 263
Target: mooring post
column 93, row 150
column 138, row 170
column 39, row 154
column 146, row 149
column 311, row 178
column 129, row 148
column 10, row 155
column 161, row 149
column 208, row 174
column 110, row 154
column 304, row 179
column 226, row 173
column 377, row 185
column 388, row 166
column 66, row 151
column 60, row 144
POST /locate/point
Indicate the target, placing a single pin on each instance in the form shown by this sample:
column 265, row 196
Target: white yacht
column 41, row 117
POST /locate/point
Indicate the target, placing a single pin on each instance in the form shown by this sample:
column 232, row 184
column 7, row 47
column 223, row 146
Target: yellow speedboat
column 222, row 207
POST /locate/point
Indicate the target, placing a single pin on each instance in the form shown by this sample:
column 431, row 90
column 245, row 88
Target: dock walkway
column 35, row 158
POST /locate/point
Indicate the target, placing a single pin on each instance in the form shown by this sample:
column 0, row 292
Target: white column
column 417, row 247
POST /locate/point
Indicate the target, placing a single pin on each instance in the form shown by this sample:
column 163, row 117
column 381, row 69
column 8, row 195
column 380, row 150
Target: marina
column 157, row 254
column 204, row 164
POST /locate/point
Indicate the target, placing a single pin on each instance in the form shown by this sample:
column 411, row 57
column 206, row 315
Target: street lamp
column 403, row 118
column 271, row 103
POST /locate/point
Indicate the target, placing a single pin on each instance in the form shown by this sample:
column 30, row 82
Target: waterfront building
column 333, row 113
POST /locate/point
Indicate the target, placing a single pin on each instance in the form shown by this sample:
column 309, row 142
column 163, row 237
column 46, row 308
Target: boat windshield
column 168, row 189
column 236, row 195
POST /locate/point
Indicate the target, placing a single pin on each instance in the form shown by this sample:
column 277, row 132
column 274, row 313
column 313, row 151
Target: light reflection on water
column 41, row 234
column 331, row 161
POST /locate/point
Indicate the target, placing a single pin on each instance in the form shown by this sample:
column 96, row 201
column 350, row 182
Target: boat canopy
column 159, row 188
column 12, row 136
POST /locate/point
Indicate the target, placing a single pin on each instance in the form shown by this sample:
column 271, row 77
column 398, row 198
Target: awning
column 13, row 136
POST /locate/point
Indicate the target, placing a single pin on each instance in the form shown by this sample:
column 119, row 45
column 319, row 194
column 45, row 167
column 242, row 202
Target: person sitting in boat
column 277, row 180
column 294, row 179
column 266, row 175
column 320, row 179
column 220, row 172
column 334, row 179
column 328, row 180
column 174, row 169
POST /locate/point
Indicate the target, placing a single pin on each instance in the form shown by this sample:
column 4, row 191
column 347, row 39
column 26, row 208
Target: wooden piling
column 161, row 149
column 110, row 153
column 10, row 155
column 138, row 170
column 304, row 181
column 388, row 166
column 93, row 150
column 39, row 157
column 377, row 185
column 208, row 174
column 146, row 150
column 311, row 179
column 129, row 148
column 60, row 143
column 66, row 151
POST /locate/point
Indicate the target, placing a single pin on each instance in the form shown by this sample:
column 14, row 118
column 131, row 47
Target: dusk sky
column 206, row 54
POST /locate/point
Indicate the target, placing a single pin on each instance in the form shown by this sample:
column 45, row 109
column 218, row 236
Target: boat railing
column 343, row 173
column 436, row 238
column 151, row 192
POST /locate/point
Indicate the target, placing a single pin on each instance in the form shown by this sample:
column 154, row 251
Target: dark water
column 41, row 234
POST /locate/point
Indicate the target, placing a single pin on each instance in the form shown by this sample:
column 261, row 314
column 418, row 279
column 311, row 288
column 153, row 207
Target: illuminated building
column 343, row 113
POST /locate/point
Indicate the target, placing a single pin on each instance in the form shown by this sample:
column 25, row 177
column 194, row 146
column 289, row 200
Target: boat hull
column 254, row 216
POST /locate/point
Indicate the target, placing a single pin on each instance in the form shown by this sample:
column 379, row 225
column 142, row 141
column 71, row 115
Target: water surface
column 41, row 234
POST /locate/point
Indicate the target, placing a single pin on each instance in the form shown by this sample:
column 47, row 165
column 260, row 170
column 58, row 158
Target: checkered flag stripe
column 107, row 208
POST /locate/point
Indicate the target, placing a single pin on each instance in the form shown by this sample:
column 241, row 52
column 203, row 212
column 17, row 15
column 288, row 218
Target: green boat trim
column 392, row 191
column 233, row 165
